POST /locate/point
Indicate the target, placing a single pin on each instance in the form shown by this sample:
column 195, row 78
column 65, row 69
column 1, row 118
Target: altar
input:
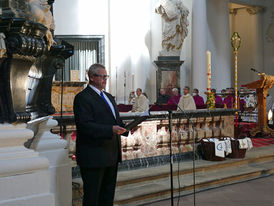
column 149, row 144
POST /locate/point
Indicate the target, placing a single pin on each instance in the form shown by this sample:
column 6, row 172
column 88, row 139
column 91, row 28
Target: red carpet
column 261, row 142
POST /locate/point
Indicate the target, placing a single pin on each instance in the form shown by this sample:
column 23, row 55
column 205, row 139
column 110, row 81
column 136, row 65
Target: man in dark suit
column 98, row 144
column 163, row 98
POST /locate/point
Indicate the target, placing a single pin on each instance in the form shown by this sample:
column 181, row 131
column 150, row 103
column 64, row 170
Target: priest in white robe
column 186, row 101
column 141, row 102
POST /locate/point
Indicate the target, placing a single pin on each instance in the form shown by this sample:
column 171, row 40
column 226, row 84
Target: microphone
column 254, row 70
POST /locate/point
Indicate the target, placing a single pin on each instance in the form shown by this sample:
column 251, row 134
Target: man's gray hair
column 93, row 69
column 175, row 89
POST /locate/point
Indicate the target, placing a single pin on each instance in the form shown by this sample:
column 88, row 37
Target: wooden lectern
column 262, row 86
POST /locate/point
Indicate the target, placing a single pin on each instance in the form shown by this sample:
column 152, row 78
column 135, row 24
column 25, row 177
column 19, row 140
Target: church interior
column 192, row 80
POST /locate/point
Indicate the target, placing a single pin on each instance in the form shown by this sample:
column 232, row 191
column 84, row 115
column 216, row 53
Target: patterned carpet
column 261, row 142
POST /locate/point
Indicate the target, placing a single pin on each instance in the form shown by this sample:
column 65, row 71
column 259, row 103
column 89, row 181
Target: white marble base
column 54, row 148
column 24, row 175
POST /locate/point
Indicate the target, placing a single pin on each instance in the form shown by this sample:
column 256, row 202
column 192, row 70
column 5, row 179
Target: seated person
column 131, row 98
column 163, row 98
column 141, row 102
column 241, row 103
column 251, row 102
column 218, row 99
column 229, row 100
column 199, row 101
column 186, row 101
column 223, row 93
column 176, row 97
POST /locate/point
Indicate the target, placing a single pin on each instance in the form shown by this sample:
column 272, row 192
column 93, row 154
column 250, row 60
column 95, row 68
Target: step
column 262, row 154
column 147, row 192
column 154, row 183
column 140, row 186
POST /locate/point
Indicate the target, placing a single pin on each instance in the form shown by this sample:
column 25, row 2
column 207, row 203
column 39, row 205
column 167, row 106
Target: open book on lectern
column 142, row 117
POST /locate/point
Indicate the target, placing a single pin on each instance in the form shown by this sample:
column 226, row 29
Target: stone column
column 24, row 175
column 54, row 148
column 199, row 45
column 219, row 42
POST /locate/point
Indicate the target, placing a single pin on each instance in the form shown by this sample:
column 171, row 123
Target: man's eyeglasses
column 102, row 76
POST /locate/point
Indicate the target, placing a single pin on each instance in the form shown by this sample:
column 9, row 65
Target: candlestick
column 208, row 58
column 132, row 82
column 125, row 89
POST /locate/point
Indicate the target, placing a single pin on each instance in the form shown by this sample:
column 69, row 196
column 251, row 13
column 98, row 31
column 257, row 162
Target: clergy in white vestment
column 141, row 102
column 186, row 101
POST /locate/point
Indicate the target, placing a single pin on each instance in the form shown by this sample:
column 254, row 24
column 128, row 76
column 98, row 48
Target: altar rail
column 151, row 137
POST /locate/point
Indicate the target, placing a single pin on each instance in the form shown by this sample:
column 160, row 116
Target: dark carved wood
column 28, row 63
column 6, row 106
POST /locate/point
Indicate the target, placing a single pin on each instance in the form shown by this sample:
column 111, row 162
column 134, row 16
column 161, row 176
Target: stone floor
column 259, row 192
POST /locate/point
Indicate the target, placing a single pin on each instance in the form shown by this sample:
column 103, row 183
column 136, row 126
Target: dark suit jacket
column 96, row 145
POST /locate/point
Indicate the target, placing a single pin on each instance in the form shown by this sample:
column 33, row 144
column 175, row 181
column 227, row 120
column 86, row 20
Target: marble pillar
column 219, row 42
column 199, row 45
column 54, row 148
column 24, row 175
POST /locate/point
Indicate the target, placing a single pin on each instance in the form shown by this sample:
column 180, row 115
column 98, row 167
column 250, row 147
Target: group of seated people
column 226, row 100
column 186, row 101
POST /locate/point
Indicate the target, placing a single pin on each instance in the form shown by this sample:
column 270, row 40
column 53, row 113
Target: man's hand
column 118, row 130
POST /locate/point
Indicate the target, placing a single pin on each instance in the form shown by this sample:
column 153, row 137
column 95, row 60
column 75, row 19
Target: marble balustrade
column 151, row 137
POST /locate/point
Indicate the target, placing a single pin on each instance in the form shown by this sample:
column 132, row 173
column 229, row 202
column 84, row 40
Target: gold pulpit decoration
column 262, row 86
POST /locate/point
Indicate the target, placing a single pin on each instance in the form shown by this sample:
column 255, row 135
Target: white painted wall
column 81, row 17
column 130, row 46
column 218, row 42
column 186, row 53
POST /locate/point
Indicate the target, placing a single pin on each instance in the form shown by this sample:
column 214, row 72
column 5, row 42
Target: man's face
column 186, row 91
column 138, row 92
column 175, row 92
column 99, row 80
column 162, row 92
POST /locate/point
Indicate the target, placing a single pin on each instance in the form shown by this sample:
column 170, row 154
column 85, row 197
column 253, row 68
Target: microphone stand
column 194, row 176
column 170, row 151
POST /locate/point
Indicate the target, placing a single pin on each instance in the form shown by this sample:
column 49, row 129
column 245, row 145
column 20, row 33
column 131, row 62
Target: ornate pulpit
column 262, row 86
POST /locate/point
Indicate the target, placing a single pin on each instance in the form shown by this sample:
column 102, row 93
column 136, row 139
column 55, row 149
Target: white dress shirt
column 108, row 101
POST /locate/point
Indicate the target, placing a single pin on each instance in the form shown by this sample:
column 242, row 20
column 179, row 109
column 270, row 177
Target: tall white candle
column 208, row 60
column 132, row 82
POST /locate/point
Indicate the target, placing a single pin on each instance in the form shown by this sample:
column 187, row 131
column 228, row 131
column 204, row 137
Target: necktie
column 102, row 95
